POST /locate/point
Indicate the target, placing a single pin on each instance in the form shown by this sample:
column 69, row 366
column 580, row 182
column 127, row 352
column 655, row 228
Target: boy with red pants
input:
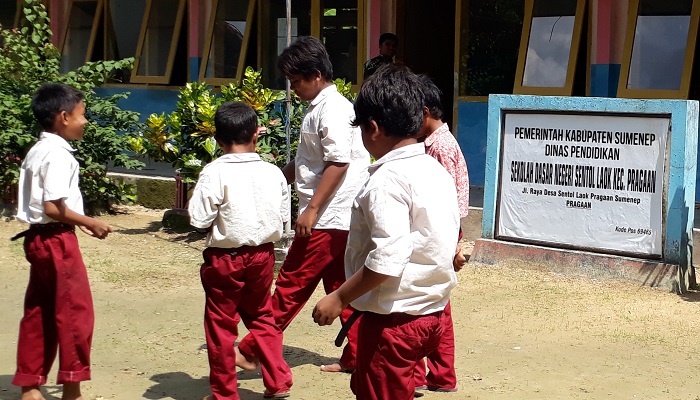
column 242, row 202
column 404, row 229
column 58, row 310
column 441, row 144
column 328, row 170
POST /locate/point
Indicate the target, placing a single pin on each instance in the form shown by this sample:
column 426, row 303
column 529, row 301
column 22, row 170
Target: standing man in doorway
column 388, row 43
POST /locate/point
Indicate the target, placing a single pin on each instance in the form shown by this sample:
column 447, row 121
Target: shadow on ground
column 182, row 386
column 10, row 392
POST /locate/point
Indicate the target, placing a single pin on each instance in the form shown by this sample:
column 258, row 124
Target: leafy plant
column 27, row 60
column 185, row 137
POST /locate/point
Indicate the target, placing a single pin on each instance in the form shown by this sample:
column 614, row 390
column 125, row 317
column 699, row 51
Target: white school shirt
column 405, row 224
column 243, row 198
column 49, row 172
column 327, row 136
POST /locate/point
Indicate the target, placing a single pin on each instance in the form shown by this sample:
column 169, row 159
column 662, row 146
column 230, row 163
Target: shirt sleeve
column 336, row 134
column 285, row 211
column 204, row 203
column 389, row 221
column 56, row 173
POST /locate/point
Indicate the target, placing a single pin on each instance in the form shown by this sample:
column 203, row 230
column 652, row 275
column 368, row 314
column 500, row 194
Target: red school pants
column 58, row 311
column 390, row 347
column 237, row 283
column 441, row 362
column 311, row 259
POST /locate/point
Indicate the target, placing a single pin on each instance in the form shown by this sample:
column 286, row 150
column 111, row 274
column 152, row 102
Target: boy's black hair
column 393, row 98
column 53, row 98
column 236, row 123
column 306, row 56
column 432, row 97
column 388, row 36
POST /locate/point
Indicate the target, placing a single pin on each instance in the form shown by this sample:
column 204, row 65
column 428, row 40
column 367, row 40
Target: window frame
column 317, row 16
column 684, row 90
column 209, row 41
column 158, row 79
column 567, row 89
column 93, row 32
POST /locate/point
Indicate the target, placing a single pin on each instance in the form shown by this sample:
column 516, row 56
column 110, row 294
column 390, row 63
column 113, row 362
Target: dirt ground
column 521, row 333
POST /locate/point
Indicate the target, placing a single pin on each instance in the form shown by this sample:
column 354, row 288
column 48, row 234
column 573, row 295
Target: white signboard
column 583, row 181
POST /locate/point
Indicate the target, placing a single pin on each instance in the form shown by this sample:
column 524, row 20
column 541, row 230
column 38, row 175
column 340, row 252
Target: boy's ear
column 62, row 118
column 375, row 131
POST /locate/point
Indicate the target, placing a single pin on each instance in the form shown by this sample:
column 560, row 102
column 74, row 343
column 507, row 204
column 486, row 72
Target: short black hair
column 236, row 122
column 306, row 56
column 432, row 96
column 388, row 36
column 393, row 98
column 52, row 99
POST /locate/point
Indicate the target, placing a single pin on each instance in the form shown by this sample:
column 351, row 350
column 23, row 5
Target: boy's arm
column 203, row 206
column 330, row 307
column 289, row 172
column 330, row 181
column 56, row 209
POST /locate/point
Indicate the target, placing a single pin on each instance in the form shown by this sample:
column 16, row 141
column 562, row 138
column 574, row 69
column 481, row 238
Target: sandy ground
column 521, row 333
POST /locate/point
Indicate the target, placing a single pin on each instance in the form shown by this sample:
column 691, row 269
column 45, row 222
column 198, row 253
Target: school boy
column 388, row 43
column 242, row 202
column 329, row 167
column 58, row 310
column 403, row 234
column 441, row 144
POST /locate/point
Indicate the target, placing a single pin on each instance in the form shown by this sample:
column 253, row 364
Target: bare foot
column 245, row 364
column 335, row 367
column 31, row 393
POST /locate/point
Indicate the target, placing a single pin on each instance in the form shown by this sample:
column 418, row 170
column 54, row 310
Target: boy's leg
column 391, row 346
column 222, row 278
column 441, row 362
column 333, row 278
column 38, row 342
column 75, row 317
column 255, row 310
column 297, row 280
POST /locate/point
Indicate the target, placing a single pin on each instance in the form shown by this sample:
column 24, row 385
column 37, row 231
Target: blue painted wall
column 471, row 136
column 145, row 101
column 604, row 79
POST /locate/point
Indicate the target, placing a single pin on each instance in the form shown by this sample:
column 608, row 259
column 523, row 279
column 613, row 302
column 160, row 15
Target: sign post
column 609, row 176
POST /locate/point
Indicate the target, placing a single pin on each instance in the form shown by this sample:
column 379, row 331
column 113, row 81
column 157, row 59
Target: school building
column 471, row 48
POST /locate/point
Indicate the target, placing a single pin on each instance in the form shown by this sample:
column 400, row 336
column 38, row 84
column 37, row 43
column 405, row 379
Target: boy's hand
column 305, row 222
column 328, row 309
column 97, row 229
column 459, row 260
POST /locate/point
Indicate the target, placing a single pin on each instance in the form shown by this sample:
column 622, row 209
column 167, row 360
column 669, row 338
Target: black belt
column 346, row 327
column 48, row 227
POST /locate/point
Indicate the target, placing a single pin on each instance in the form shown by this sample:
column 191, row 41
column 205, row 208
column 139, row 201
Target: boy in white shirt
column 242, row 202
column 328, row 170
column 404, row 230
column 58, row 309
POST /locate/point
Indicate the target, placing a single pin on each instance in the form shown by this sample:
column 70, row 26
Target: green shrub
column 185, row 137
column 27, row 60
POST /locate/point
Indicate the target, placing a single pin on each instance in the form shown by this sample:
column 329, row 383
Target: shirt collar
column 411, row 150
column 57, row 140
column 239, row 157
column 324, row 93
column 433, row 137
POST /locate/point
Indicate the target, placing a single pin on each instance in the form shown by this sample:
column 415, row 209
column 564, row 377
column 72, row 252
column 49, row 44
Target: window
column 274, row 35
column 80, row 34
column 489, row 33
column 228, row 35
column 341, row 29
column 659, row 48
column 159, row 41
column 549, row 47
column 121, row 32
column 9, row 13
